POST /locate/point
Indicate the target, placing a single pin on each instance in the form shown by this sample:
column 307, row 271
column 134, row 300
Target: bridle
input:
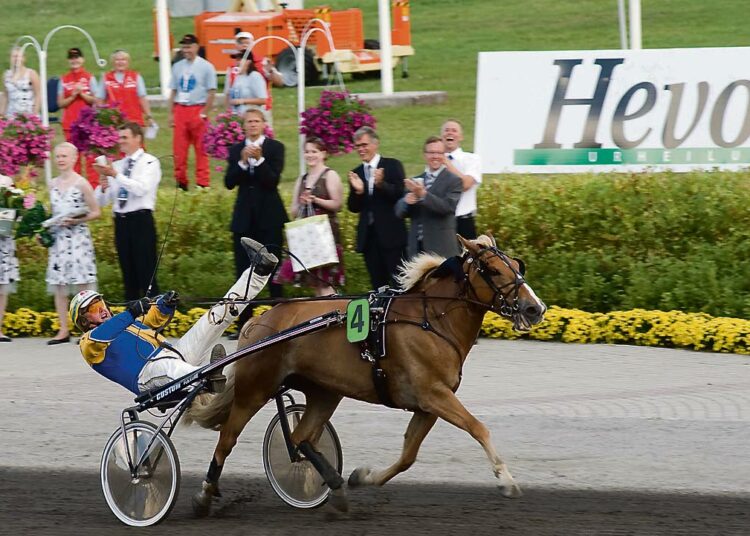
column 504, row 302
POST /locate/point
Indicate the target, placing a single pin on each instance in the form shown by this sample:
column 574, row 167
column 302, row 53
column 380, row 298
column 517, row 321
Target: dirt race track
column 47, row 503
column 602, row 439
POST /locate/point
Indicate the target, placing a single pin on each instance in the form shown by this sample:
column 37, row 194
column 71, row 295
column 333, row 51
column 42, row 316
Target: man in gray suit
column 430, row 203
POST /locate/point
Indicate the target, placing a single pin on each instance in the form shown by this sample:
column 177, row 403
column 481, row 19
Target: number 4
column 357, row 320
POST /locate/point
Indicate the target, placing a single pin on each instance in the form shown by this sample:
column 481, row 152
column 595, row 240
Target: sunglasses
column 96, row 307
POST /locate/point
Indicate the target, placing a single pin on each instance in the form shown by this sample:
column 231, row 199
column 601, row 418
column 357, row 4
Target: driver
column 130, row 352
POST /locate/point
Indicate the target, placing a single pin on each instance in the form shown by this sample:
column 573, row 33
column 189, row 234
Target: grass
column 446, row 34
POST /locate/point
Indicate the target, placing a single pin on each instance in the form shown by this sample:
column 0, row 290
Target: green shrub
column 592, row 242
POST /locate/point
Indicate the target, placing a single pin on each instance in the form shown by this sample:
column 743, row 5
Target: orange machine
column 353, row 53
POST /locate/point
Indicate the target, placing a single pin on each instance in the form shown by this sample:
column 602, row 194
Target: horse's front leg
column 446, row 405
column 419, row 426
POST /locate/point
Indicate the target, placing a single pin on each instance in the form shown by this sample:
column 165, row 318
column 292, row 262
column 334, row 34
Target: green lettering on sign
column 357, row 320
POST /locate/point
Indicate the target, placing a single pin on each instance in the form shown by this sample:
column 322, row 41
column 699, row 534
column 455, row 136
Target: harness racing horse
column 430, row 329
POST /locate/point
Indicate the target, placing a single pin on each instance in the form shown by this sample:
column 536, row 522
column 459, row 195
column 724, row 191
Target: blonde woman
column 21, row 87
column 71, row 266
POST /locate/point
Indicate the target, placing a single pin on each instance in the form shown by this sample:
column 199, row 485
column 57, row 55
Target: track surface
column 71, row 503
column 603, row 440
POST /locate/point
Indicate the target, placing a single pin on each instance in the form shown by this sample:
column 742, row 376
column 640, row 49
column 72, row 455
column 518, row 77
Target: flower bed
column 673, row 329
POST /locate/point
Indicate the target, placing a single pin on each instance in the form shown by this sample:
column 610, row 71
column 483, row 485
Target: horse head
column 497, row 280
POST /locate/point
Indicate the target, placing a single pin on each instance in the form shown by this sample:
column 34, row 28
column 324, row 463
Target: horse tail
column 212, row 410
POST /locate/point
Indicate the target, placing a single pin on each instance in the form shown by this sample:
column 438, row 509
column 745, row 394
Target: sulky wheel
column 298, row 483
column 148, row 497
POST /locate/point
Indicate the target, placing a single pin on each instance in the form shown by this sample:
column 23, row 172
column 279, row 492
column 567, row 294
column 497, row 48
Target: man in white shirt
column 130, row 185
column 469, row 169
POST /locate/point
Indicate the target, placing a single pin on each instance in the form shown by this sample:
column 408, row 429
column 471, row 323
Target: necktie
column 370, row 186
column 122, row 194
column 429, row 179
column 450, row 157
column 369, row 177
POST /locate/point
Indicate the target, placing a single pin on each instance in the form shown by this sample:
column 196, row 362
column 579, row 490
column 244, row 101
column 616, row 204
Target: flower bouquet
column 335, row 120
column 223, row 132
column 226, row 130
column 95, row 130
column 24, row 141
column 14, row 201
column 31, row 222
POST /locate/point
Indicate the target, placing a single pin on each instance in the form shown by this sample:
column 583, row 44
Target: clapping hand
column 251, row 151
column 411, row 199
column 377, row 176
column 306, row 197
column 415, row 187
column 357, row 183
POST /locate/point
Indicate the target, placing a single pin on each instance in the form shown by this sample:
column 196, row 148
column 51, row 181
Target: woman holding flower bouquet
column 8, row 265
column 319, row 191
column 71, row 265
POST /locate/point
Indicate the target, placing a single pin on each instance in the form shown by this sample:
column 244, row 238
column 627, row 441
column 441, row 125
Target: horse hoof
column 337, row 499
column 359, row 477
column 511, row 491
column 201, row 504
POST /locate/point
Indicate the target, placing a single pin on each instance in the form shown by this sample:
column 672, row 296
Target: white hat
column 244, row 35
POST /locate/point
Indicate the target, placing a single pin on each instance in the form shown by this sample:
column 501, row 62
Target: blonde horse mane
column 412, row 271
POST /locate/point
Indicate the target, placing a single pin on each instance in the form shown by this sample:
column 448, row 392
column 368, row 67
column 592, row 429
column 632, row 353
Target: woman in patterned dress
column 21, row 88
column 8, row 267
column 72, row 264
column 319, row 191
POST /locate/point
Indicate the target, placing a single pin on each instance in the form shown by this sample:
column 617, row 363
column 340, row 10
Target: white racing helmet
column 79, row 304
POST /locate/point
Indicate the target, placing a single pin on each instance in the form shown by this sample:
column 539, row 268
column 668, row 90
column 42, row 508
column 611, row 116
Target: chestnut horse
column 422, row 366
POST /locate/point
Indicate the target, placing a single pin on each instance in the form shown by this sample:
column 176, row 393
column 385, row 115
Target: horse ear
column 521, row 266
column 467, row 244
column 489, row 233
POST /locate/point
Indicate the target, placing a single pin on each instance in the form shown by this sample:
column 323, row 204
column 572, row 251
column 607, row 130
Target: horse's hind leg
column 419, row 426
column 446, row 405
column 320, row 405
column 255, row 395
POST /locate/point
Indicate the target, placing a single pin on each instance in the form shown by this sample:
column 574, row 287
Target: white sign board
column 613, row 110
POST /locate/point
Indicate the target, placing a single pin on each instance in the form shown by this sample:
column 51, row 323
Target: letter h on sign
column 588, row 140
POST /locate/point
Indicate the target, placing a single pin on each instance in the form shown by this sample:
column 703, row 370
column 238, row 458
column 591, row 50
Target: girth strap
column 380, row 380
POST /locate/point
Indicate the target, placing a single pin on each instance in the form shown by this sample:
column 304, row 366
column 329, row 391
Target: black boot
column 263, row 260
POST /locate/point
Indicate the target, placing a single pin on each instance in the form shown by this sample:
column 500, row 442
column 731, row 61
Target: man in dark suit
column 376, row 185
column 431, row 204
column 255, row 166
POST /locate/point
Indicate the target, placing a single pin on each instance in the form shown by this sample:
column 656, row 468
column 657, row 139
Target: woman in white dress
column 8, row 267
column 72, row 264
column 22, row 95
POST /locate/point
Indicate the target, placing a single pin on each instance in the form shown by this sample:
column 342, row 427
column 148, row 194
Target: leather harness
column 373, row 348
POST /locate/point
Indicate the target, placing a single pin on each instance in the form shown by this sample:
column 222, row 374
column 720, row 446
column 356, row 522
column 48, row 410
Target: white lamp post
column 41, row 51
column 299, row 56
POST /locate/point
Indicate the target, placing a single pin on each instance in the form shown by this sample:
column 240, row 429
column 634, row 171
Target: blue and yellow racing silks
column 119, row 348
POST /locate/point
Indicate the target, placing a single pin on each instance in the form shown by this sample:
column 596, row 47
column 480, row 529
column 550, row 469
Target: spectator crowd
column 438, row 203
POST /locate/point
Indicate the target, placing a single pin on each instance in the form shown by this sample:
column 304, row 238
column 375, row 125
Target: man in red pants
column 76, row 91
column 193, row 90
